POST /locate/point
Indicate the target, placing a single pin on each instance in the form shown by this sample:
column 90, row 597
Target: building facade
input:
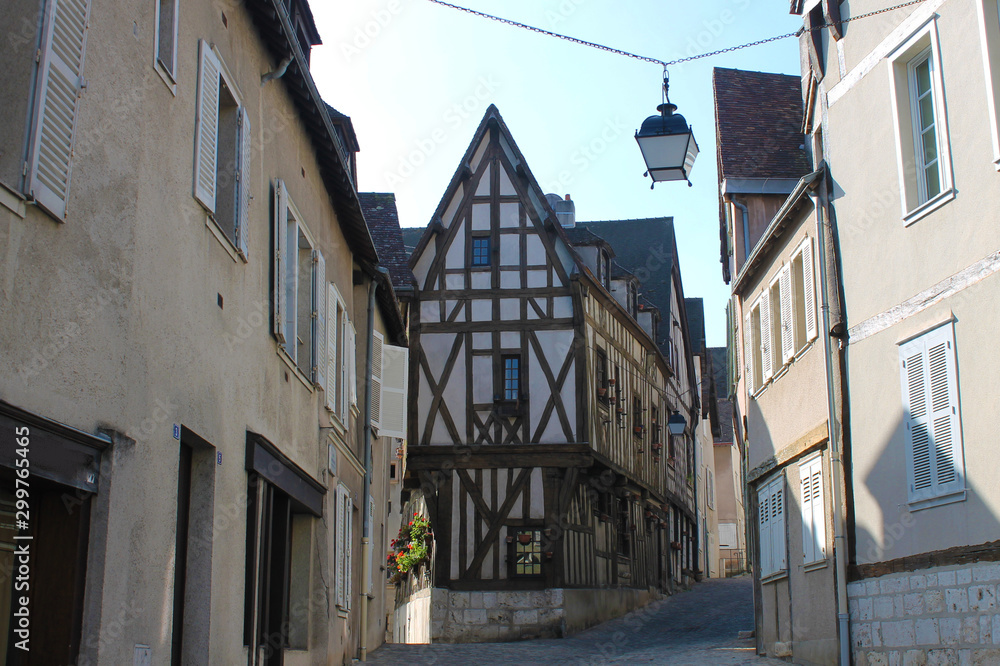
column 197, row 297
column 918, row 220
column 540, row 398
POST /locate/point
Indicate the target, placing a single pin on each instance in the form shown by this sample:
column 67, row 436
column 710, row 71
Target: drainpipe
column 827, row 264
column 366, row 528
column 746, row 227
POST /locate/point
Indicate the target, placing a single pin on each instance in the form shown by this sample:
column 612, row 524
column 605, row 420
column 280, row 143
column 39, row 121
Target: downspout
column 746, row 227
column 827, row 263
column 366, row 528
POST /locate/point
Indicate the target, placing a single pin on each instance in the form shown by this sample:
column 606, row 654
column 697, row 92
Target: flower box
column 524, row 538
column 601, row 392
column 676, row 545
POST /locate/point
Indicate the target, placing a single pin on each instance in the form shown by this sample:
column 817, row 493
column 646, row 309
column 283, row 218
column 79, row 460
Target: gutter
column 366, row 528
column 827, row 265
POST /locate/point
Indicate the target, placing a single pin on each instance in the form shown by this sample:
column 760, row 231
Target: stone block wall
column 945, row 615
column 473, row 617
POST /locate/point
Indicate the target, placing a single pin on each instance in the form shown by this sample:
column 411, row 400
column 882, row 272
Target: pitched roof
column 583, row 236
column 343, row 123
column 720, row 361
column 695, row 308
column 383, row 223
column 646, row 248
column 758, row 121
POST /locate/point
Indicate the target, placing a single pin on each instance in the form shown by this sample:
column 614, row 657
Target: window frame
column 167, row 73
column 914, row 205
column 814, row 543
column 989, row 31
column 535, row 544
column 485, row 240
column 601, row 376
column 505, row 395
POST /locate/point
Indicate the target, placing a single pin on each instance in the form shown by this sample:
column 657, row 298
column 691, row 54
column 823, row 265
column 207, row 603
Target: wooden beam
column 428, row 457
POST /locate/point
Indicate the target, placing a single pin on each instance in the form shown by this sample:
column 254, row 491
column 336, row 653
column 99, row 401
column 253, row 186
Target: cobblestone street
column 696, row 627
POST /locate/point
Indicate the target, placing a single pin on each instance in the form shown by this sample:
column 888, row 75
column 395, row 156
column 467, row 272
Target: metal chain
column 665, row 63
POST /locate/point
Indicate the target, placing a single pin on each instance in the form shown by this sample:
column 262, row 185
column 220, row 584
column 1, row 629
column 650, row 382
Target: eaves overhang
column 758, row 185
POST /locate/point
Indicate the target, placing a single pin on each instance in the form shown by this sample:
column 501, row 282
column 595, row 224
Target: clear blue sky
column 416, row 78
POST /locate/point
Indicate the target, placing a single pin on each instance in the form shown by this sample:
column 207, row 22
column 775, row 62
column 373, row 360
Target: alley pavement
column 700, row 626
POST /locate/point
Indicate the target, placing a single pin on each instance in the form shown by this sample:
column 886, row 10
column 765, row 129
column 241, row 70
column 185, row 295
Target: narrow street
column 695, row 627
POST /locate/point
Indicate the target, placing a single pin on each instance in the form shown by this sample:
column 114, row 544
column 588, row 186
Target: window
column 339, row 353
column 922, row 134
column 637, row 426
column 633, row 300
column 298, row 291
column 601, row 375
column 43, row 54
column 165, row 39
column 222, row 151
column 528, row 553
column 481, row 251
column 511, row 377
column 604, row 269
column 343, row 548
column 934, row 450
column 989, row 27
column 813, row 511
column 624, row 522
column 654, row 425
column 771, row 517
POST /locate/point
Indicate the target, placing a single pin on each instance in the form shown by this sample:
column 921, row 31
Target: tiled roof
column 383, row 224
column 695, row 308
column 758, row 120
column 579, row 235
column 645, row 247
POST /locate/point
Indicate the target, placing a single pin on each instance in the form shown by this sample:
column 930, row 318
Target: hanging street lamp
column 676, row 424
column 667, row 143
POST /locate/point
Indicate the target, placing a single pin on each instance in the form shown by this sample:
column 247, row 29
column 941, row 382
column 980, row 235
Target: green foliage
column 411, row 548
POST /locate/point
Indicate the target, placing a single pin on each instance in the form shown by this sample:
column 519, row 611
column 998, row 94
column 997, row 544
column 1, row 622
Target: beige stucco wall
column 135, row 273
column 905, row 260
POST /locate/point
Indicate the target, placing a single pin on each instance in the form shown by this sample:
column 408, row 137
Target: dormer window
column 633, row 300
column 604, row 270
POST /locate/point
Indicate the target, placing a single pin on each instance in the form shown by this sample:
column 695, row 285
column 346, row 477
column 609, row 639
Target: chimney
column 566, row 212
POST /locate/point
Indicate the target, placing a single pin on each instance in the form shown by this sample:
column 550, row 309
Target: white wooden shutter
column 371, row 560
column 778, row 550
column 765, row 335
column 339, row 541
column 318, row 351
column 207, row 127
column 332, row 369
column 376, row 379
column 813, row 511
column 280, row 219
column 748, row 348
column 808, row 538
column 395, row 364
column 348, row 549
column 243, row 184
column 352, row 364
column 808, row 290
column 764, row 534
column 930, row 406
column 787, row 323
column 60, row 81
column 346, row 349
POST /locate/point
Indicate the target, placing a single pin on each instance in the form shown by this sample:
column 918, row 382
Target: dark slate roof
column 383, row 223
column 619, row 272
column 646, row 247
column 758, row 121
column 695, row 308
column 583, row 236
column 346, row 127
column 725, row 422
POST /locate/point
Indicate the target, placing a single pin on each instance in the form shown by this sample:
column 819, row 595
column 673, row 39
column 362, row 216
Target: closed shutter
column 348, row 549
column 318, row 350
column 808, row 539
column 787, row 324
column 395, row 363
column 764, row 536
column 280, row 219
column 207, row 127
column 778, row 550
column 813, row 514
column 341, row 554
column 371, row 560
column 332, row 369
column 808, row 290
column 748, row 348
column 376, row 378
column 765, row 336
column 244, row 179
column 60, row 77
column 930, row 405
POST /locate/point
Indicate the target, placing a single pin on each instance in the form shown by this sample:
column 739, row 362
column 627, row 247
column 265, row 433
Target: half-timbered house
column 537, row 438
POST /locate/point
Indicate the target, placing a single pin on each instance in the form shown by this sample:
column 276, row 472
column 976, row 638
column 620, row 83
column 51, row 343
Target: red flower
column 411, row 523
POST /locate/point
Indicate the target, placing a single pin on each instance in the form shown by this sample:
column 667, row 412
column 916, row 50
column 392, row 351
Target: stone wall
column 944, row 615
column 472, row 617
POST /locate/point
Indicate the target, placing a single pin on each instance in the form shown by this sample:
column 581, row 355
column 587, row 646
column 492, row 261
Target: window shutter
column 808, row 290
column 376, row 379
column 347, row 348
column 748, row 351
column 371, row 560
column 787, row 331
column 60, row 76
column 818, row 508
column 207, row 127
column 944, row 409
column 765, row 335
column 348, row 549
column 245, row 195
column 318, row 350
column 808, row 537
column 764, row 537
column 778, row 550
column 395, row 364
column 352, row 365
column 340, row 540
column 332, row 371
column 280, row 218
